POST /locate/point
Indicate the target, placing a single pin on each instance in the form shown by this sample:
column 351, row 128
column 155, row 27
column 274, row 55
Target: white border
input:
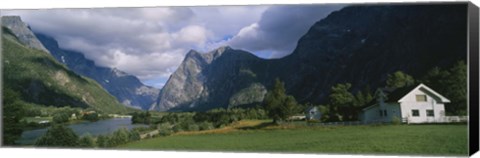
column 73, row 153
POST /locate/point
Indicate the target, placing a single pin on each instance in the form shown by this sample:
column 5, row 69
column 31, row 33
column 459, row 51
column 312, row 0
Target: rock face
column 22, row 32
column 357, row 44
column 126, row 88
column 208, row 80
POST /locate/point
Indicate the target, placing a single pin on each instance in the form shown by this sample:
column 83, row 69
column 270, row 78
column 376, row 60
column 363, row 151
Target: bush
column 396, row 120
column 177, row 128
column 193, row 127
column 58, row 136
column 86, row 141
column 206, row 126
column 133, row 135
column 102, row 141
column 165, row 129
column 91, row 117
column 118, row 137
column 60, row 117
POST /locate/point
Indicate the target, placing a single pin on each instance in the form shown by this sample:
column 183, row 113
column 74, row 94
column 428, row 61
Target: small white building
column 418, row 104
column 312, row 113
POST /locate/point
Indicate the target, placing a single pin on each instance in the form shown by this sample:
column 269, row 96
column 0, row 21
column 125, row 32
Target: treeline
column 345, row 105
column 60, row 136
column 452, row 83
column 173, row 122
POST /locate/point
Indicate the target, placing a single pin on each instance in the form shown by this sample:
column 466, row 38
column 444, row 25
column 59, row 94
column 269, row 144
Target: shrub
column 193, row 127
column 91, row 117
column 206, row 126
column 165, row 129
column 396, row 120
column 58, row 136
column 133, row 135
column 60, row 117
column 102, row 141
column 86, row 141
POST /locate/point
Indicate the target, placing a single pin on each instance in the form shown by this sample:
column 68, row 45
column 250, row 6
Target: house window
column 421, row 98
column 380, row 112
column 384, row 112
column 415, row 113
column 430, row 113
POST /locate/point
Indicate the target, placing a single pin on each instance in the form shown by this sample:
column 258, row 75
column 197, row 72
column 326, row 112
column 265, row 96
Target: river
column 94, row 128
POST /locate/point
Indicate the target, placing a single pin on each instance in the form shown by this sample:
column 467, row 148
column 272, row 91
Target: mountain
column 22, row 32
column 357, row 44
column 126, row 88
column 210, row 80
column 40, row 79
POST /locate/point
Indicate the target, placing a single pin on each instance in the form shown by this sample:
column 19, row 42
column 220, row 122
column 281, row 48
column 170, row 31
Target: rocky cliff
column 357, row 44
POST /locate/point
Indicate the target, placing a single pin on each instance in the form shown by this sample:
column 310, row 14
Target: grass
column 257, row 136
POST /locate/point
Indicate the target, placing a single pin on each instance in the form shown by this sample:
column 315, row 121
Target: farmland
column 259, row 136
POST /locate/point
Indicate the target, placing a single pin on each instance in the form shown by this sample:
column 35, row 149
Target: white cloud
column 150, row 43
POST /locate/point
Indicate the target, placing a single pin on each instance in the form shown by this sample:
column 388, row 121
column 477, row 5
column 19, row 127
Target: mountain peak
column 22, row 31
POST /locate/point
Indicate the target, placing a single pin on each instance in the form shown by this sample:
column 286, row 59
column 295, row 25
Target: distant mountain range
column 32, row 72
column 125, row 87
column 357, row 44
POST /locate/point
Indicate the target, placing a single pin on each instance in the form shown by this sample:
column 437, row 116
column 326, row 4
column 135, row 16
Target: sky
column 151, row 43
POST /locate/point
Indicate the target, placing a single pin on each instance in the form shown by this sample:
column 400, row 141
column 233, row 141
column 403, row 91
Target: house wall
column 372, row 114
column 409, row 102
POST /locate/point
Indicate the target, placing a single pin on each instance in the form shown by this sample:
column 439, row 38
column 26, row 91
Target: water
column 94, row 128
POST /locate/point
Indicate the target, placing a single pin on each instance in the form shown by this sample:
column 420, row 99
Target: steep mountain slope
column 357, row 44
column 362, row 44
column 41, row 80
column 22, row 32
column 208, row 80
column 126, row 88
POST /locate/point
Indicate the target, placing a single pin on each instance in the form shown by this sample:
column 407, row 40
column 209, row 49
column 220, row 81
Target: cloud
column 150, row 43
column 279, row 28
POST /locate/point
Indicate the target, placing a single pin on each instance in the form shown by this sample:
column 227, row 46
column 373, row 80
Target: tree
column 92, row 117
column 86, row 141
column 133, row 135
column 58, row 136
column 399, row 79
column 102, row 141
column 278, row 105
column 118, row 137
column 60, row 117
column 341, row 101
column 452, row 83
column 13, row 112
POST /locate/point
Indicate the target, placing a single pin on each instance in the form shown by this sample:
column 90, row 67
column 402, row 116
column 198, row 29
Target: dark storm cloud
column 280, row 27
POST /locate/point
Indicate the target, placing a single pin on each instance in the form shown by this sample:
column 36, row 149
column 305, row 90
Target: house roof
column 399, row 94
column 421, row 86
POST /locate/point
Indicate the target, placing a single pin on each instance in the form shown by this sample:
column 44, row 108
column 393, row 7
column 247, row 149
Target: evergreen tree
column 279, row 105
column 399, row 79
column 451, row 83
column 13, row 112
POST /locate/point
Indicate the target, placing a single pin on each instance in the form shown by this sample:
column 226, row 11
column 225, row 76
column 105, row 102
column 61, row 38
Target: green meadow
column 258, row 136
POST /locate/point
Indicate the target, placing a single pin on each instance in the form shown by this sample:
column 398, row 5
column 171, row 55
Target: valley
column 356, row 82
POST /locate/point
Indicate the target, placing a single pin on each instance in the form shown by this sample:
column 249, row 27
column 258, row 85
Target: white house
column 418, row 104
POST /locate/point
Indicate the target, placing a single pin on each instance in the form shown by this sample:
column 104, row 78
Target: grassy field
column 251, row 136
